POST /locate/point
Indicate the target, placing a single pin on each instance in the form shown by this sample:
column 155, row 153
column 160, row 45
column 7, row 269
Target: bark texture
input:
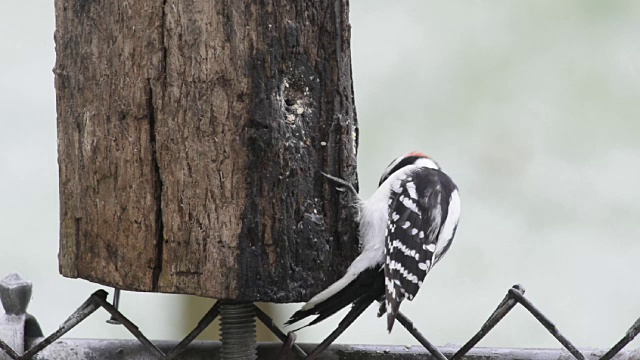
column 191, row 136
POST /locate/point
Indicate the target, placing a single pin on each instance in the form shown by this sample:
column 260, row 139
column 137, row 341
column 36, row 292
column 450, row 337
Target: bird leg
column 343, row 184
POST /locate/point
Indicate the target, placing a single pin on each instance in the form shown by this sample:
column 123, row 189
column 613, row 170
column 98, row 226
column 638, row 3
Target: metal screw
column 238, row 331
column 116, row 302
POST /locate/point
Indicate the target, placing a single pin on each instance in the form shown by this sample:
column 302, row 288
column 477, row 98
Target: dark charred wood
column 191, row 139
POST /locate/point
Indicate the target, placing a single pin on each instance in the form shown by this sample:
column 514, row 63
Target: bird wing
column 419, row 206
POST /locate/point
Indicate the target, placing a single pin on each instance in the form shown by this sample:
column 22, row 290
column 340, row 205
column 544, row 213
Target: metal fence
column 22, row 338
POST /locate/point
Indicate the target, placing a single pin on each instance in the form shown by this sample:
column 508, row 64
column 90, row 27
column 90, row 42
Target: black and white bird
column 406, row 227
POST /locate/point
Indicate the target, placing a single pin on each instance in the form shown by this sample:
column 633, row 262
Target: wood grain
column 190, row 139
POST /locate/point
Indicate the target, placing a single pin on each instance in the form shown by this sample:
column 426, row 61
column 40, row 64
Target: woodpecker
column 405, row 228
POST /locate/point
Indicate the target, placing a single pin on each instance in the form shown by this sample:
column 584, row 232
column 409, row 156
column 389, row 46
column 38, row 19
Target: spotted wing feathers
column 418, row 209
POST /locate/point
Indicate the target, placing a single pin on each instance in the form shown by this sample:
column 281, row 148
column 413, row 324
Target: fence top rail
column 107, row 349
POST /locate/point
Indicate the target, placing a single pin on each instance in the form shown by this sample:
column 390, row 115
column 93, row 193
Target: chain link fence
column 21, row 337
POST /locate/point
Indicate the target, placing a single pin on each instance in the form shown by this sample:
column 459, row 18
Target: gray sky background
column 531, row 106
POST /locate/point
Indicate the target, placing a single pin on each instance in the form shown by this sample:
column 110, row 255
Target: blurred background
column 533, row 107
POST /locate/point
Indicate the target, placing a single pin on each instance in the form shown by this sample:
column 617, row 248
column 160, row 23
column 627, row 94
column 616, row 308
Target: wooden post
column 191, row 136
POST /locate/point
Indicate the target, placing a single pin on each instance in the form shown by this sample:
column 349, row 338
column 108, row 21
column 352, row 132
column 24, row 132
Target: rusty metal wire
column 408, row 324
column 287, row 340
column 206, row 320
column 94, row 302
column 514, row 296
column 498, row 314
column 8, row 350
column 630, row 335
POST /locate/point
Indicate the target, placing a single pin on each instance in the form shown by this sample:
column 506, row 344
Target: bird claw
column 343, row 185
column 382, row 309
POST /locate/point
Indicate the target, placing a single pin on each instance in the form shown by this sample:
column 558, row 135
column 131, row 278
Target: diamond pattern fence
column 15, row 293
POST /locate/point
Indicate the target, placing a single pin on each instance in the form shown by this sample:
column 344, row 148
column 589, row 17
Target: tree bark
column 191, row 136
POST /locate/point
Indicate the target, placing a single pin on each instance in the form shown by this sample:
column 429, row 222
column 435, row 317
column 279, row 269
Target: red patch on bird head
column 417, row 153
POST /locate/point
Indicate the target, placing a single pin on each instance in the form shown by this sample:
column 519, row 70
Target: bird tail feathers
column 339, row 295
